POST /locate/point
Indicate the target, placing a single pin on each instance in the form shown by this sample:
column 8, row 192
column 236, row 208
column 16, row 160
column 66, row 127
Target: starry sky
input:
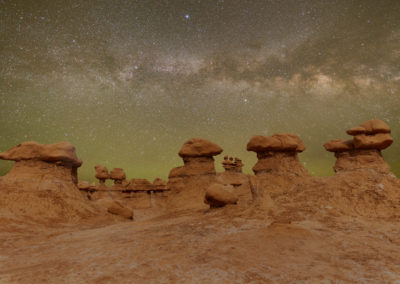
column 128, row 82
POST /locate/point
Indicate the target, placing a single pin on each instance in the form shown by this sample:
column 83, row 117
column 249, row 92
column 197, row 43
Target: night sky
column 128, row 82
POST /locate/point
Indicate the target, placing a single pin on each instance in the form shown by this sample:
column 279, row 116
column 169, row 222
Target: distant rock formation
column 364, row 150
column 43, row 182
column 102, row 174
column 234, row 176
column 278, row 154
column 189, row 182
column 118, row 176
column 232, row 165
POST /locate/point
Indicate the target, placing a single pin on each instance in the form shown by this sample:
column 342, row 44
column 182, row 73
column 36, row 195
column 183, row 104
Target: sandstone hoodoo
column 188, row 183
column 234, row 176
column 277, row 154
column 102, row 174
column 43, row 182
column 118, row 176
column 197, row 155
column 364, row 150
column 232, row 165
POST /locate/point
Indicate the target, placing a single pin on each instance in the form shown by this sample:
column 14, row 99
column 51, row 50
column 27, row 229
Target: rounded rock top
column 198, row 147
column 278, row 143
column 369, row 127
column 58, row 152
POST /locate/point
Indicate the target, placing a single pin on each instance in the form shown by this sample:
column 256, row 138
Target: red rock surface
column 295, row 229
column 42, row 185
column 219, row 195
column 277, row 154
column 198, row 147
column 58, row 152
column 277, row 142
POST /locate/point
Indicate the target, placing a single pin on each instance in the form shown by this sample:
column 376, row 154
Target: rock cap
column 198, row 147
column 372, row 126
column 58, row 152
column 280, row 142
column 117, row 174
column 338, row 145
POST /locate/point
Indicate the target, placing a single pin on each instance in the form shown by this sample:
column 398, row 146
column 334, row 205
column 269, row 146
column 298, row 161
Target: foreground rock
column 188, row 183
column 219, row 195
column 42, row 185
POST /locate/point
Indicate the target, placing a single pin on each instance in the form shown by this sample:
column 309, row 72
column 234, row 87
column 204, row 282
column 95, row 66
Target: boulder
column 117, row 208
column 218, row 195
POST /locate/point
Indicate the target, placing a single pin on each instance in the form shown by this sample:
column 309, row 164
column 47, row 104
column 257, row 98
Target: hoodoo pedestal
column 188, row 183
column 364, row 150
column 277, row 154
column 43, row 182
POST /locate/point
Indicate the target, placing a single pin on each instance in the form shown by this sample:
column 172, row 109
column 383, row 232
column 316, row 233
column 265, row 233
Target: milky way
column 127, row 82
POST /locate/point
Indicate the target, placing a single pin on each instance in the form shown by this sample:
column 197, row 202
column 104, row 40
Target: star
column 187, row 16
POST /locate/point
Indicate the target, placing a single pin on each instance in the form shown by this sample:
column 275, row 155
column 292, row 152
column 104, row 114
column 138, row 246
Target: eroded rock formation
column 277, row 154
column 102, row 174
column 188, row 183
column 43, row 182
column 364, row 150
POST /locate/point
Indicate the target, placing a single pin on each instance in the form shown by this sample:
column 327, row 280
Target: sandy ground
column 216, row 246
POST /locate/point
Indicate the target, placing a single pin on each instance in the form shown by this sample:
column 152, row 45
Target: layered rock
column 118, row 176
column 278, row 154
column 43, row 182
column 188, row 183
column 364, row 150
column 102, row 174
column 234, row 176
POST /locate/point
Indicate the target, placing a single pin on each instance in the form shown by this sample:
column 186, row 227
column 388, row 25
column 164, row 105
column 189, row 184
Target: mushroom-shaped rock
column 278, row 142
column 187, row 184
column 63, row 152
column 43, row 173
column 338, row 145
column 102, row 174
column 198, row 147
column 218, row 195
column 278, row 154
column 364, row 150
column 117, row 175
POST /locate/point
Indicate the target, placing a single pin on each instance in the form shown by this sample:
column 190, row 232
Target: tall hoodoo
column 277, row 154
column 189, row 182
column 364, row 150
